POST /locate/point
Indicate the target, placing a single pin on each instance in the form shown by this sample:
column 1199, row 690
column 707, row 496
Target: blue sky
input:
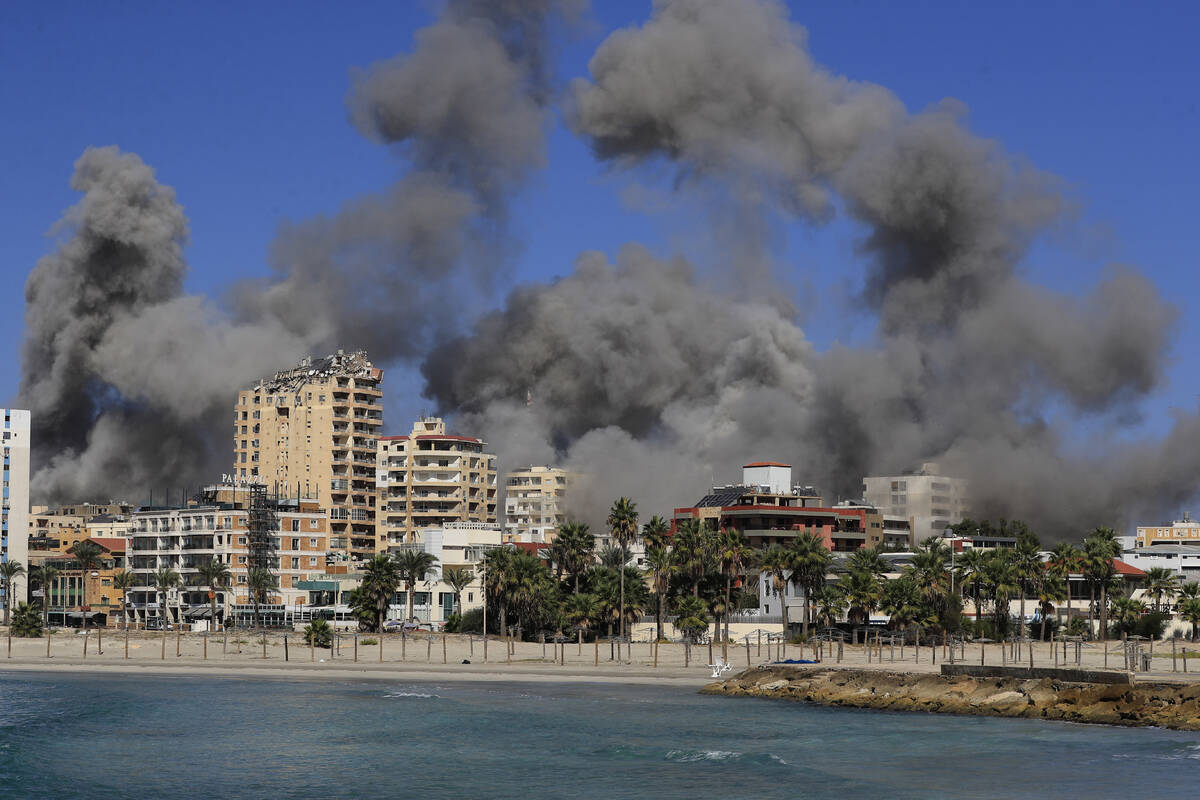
column 239, row 107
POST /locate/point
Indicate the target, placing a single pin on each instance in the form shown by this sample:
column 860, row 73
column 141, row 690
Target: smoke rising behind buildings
column 640, row 372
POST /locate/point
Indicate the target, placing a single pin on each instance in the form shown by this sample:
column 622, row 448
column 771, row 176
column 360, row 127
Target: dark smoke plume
column 130, row 381
column 970, row 355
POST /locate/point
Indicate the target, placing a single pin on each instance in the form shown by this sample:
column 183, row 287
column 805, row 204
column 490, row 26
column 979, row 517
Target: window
column 314, row 540
column 295, row 544
column 295, row 525
column 242, row 540
column 312, row 523
column 295, row 563
column 321, row 399
column 241, row 559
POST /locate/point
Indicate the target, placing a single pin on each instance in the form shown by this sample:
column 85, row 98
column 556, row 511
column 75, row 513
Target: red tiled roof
column 1126, row 570
column 531, row 547
column 112, row 545
column 767, row 464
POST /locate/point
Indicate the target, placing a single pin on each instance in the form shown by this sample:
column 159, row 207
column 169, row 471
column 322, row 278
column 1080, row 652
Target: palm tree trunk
column 978, row 605
column 412, row 596
column 659, row 621
column 1104, row 612
column 1043, row 636
column 1068, row 598
column 783, row 595
column 622, row 612
column 807, row 608
column 728, row 585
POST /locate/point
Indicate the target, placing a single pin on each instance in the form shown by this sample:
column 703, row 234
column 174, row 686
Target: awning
column 80, row 614
column 198, row 613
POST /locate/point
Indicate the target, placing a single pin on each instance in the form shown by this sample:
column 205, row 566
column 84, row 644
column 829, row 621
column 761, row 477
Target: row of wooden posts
column 953, row 650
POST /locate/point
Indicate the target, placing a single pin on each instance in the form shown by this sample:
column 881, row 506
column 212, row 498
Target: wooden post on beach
column 982, row 648
column 286, row 655
column 178, row 641
column 225, row 644
column 710, row 658
column 760, row 644
column 868, row 648
column 205, row 637
column 1104, row 646
column 1172, row 654
column 443, row 647
column 10, row 642
column 839, row 655
column 485, row 647
column 381, row 646
column 312, row 648
column 403, row 645
column 47, row 643
column 747, row 654
column 163, row 657
column 429, row 649
column 356, row 647
column 99, row 641
column 542, row 636
column 508, row 649
column 579, row 643
column 1031, row 654
column 1185, row 655
column 85, row 638
column 917, row 649
column 597, row 641
column 687, row 655
column 127, row 641
column 562, row 661
column 933, row 650
column 264, row 644
column 1004, row 654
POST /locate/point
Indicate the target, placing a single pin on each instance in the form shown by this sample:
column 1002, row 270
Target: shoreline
column 1174, row 706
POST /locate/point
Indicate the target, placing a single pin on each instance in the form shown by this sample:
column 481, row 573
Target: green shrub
column 369, row 641
column 318, row 633
column 453, row 623
column 26, row 622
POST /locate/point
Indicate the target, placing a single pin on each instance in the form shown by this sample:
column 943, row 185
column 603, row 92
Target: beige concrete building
column 535, row 503
column 429, row 479
column 14, row 504
column 929, row 500
column 457, row 544
column 312, row 432
column 1181, row 531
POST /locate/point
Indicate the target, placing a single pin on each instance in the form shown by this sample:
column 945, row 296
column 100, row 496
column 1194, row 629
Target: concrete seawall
column 1067, row 674
column 1163, row 705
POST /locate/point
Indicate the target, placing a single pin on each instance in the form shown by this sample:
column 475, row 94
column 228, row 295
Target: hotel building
column 312, row 432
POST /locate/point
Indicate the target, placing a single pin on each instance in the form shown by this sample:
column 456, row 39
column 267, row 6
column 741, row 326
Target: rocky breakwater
column 1163, row 705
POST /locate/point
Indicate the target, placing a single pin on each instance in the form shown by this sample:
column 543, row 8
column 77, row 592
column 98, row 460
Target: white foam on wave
column 701, row 755
column 411, row 694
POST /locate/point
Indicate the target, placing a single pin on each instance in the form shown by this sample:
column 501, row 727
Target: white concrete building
column 929, row 500
column 456, row 544
column 1182, row 559
column 14, row 505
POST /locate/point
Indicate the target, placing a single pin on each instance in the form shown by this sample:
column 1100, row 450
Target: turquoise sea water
column 142, row 737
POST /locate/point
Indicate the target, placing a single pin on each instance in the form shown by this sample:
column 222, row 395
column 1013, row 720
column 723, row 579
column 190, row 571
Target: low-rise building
column 1181, row 531
column 75, row 594
column 456, row 544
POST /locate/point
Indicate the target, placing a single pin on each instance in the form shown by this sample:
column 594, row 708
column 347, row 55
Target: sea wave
column 411, row 694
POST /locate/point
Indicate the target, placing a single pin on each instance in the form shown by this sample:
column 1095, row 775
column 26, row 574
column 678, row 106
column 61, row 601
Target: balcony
column 339, row 485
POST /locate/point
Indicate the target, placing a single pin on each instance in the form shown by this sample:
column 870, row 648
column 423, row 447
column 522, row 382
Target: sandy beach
column 423, row 657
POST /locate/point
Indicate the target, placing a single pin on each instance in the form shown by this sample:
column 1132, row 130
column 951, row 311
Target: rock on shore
column 1163, row 705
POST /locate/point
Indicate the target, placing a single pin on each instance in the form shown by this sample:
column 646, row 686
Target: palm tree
column 656, row 532
column 413, row 566
column 693, row 548
column 613, row 556
column 691, row 616
column 259, row 581
column 379, row 582
column 582, row 610
column 862, row 592
column 124, row 580
column 777, row 563
column 9, row 570
column 1051, row 590
column 623, row 525
column 165, row 579
column 1189, row 590
column 902, row 600
column 1127, row 612
column 579, row 547
column 498, row 568
column 1189, row 610
column 1161, row 583
column 732, row 555
column 215, row 575
column 1065, row 560
column 1100, row 547
column 830, row 604
column 1002, row 584
column 46, row 575
column 87, row 555
column 972, row 570
column 458, row 578
column 868, row 560
column 810, row 565
column 1029, row 570
column 661, row 564
column 26, row 623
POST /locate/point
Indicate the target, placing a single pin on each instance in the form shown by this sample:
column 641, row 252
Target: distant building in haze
column 14, row 506
column 929, row 500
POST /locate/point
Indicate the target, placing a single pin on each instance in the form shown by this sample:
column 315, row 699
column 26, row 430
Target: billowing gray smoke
column 637, row 372
column 130, row 380
column 640, row 376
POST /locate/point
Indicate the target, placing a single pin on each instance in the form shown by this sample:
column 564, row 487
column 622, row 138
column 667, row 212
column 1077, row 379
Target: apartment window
column 321, row 399
column 241, row 559
column 295, row 544
column 242, row 540
column 242, row 578
column 295, row 524
column 308, row 396
column 295, row 563
column 314, row 540
column 312, row 523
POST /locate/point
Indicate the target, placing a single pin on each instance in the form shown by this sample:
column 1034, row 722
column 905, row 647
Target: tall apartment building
column 928, row 500
column 184, row 538
column 14, row 505
column 534, row 503
column 429, row 479
column 313, row 432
